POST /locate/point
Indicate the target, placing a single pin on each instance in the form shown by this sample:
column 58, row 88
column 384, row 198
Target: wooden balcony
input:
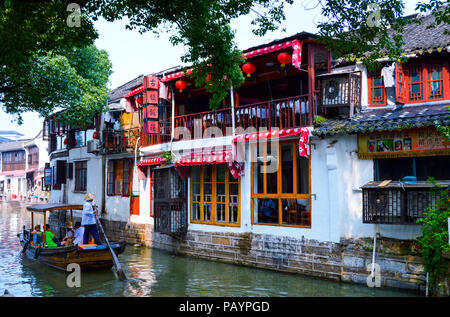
column 8, row 167
column 292, row 112
column 120, row 141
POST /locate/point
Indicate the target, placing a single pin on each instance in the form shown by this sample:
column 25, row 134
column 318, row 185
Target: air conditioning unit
column 93, row 146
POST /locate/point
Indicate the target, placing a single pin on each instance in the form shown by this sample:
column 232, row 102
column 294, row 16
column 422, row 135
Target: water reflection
column 155, row 273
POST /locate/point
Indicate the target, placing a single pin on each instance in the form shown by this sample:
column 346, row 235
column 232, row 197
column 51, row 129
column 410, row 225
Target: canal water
column 156, row 273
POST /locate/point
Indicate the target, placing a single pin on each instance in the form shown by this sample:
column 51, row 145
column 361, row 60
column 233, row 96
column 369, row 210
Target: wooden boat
column 89, row 257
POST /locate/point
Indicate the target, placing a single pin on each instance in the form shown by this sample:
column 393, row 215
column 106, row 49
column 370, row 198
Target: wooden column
column 311, row 82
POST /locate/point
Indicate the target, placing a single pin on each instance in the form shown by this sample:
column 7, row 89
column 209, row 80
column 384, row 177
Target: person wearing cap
column 68, row 239
column 88, row 220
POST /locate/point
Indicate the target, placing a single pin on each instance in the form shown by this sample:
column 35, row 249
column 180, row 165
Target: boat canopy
column 53, row 207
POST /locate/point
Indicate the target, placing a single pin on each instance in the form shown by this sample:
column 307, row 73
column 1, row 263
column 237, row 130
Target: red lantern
column 95, row 135
column 180, row 84
column 65, row 141
column 140, row 100
column 284, row 58
column 248, row 68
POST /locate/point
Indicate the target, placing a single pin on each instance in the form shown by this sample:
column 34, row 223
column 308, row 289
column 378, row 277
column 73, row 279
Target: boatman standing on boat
column 88, row 220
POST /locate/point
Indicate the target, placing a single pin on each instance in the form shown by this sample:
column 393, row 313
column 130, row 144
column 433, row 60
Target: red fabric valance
column 212, row 157
column 152, row 161
column 134, row 92
column 282, row 133
column 203, row 158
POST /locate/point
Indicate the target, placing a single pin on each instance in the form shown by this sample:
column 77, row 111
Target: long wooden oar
column 117, row 266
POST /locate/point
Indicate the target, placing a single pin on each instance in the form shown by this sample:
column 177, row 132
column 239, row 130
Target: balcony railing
column 289, row 112
column 119, row 141
column 8, row 167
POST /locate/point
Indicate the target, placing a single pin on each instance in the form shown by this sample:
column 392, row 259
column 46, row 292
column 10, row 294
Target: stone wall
column 347, row 261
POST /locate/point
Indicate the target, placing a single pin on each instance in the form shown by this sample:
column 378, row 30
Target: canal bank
column 156, row 273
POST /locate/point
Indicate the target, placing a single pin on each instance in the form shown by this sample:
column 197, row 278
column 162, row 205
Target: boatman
column 88, row 220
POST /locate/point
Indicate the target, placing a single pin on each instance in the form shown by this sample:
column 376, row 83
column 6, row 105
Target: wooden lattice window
column 377, row 91
column 280, row 185
column 435, row 81
column 416, row 84
column 81, row 176
column 119, row 175
column 215, row 196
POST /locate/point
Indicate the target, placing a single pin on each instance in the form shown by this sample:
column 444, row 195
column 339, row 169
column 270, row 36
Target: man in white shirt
column 78, row 233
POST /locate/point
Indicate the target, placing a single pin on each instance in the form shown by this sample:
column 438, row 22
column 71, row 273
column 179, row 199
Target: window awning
column 276, row 134
column 135, row 91
column 212, row 157
column 204, row 158
column 152, row 161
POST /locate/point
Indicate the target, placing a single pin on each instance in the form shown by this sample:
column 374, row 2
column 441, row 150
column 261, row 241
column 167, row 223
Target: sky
column 133, row 54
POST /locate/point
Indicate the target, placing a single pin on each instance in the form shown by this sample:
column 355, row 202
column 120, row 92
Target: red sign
column 151, row 82
column 151, row 96
column 151, row 112
column 151, row 127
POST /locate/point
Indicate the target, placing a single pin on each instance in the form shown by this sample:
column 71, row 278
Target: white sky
column 133, row 54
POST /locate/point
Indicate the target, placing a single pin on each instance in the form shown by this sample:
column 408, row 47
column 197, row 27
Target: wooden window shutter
column 61, row 169
column 69, row 170
column 110, row 178
column 126, row 177
column 401, row 84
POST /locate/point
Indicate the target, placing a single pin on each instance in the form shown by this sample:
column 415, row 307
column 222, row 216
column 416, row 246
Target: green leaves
column 434, row 237
column 365, row 30
column 45, row 65
column 202, row 26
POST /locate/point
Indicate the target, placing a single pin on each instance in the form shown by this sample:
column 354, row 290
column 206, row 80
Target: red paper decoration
column 284, row 58
column 248, row 68
column 180, row 84
column 95, row 135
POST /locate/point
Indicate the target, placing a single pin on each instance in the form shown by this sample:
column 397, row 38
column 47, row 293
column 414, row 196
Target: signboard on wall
column 426, row 141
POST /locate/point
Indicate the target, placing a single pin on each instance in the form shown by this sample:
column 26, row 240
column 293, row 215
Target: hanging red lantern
column 65, row 141
column 140, row 100
column 95, row 135
column 248, row 68
column 284, row 58
column 180, row 84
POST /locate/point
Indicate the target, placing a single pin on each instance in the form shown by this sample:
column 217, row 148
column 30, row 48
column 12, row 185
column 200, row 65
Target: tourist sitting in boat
column 88, row 220
column 50, row 239
column 68, row 239
column 35, row 234
column 37, row 229
column 78, row 233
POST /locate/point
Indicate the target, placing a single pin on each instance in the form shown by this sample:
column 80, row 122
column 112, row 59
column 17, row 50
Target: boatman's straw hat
column 89, row 196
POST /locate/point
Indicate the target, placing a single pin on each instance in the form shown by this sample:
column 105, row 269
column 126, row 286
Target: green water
column 155, row 273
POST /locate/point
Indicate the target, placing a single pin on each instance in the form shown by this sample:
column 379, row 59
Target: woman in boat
column 88, row 220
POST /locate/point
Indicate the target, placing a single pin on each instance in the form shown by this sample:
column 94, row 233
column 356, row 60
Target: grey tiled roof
column 117, row 93
column 387, row 119
column 418, row 36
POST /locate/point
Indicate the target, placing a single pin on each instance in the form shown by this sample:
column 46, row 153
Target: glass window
column 288, row 204
column 435, row 81
column 214, row 195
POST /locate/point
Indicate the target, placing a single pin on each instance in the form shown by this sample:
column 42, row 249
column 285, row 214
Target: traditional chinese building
column 308, row 167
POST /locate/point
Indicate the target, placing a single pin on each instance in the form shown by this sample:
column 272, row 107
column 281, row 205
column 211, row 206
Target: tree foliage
column 46, row 65
column 203, row 27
